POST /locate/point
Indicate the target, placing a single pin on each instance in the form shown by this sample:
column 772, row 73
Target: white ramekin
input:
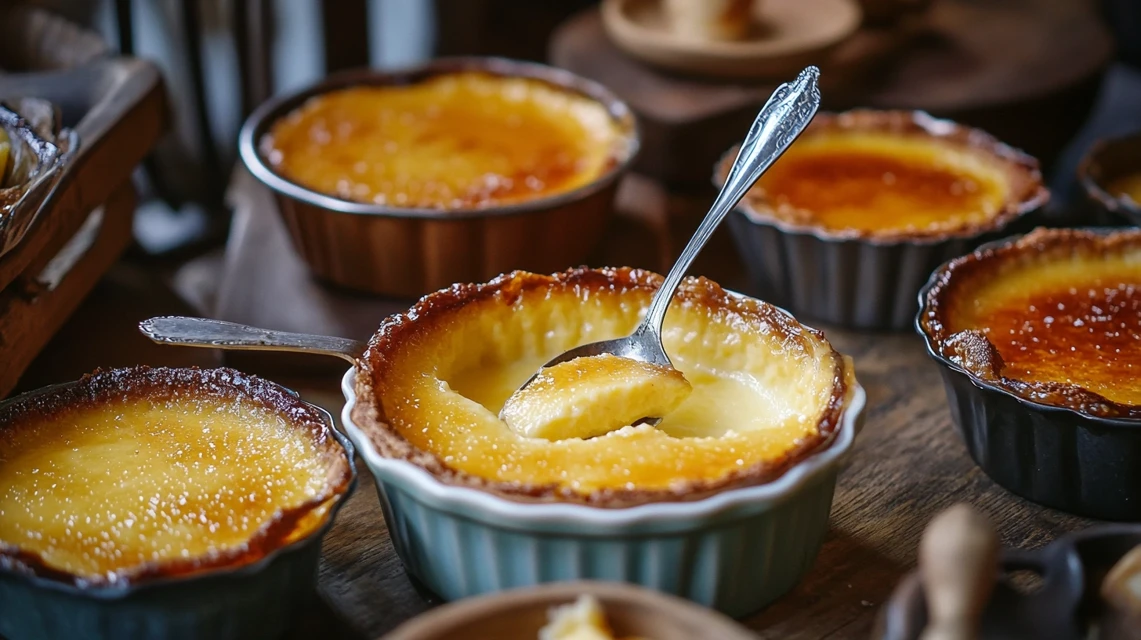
column 735, row 551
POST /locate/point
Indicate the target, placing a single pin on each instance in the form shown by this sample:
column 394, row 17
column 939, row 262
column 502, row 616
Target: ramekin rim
column 926, row 121
column 277, row 106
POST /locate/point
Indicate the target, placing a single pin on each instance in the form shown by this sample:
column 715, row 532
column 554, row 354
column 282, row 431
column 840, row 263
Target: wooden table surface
column 908, row 463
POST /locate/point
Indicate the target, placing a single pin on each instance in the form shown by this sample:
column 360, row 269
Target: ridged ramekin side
column 410, row 256
column 846, row 282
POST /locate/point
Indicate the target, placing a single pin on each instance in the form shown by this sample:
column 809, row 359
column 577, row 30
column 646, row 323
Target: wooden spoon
column 958, row 562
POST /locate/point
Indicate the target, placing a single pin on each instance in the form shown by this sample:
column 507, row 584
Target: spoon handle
column 780, row 121
column 217, row 334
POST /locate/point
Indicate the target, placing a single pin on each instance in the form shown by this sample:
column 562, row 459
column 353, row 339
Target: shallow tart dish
column 163, row 503
column 1038, row 338
column 726, row 502
column 402, row 182
column 848, row 224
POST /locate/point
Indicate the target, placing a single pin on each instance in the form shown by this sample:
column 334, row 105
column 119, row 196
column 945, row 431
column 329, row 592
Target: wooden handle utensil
column 958, row 562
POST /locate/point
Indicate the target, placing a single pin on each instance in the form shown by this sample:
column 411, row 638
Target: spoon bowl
column 779, row 123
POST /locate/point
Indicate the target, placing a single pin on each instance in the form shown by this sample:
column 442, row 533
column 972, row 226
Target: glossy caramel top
column 764, row 389
column 457, row 141
column 113, row 489
column 1060, row 312
column 1073, row 322
column 873, row 183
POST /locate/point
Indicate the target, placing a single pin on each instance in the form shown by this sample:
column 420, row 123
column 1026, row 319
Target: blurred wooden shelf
column 118, row 108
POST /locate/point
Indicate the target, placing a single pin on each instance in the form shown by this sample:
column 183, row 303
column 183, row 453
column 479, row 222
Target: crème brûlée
column 766, row 391
column 460, row 140
column 1054, row 317
column 896, row 174
column 133, row 474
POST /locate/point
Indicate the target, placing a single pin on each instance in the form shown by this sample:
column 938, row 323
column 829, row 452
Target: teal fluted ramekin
column 253, row 601
column 735, row 551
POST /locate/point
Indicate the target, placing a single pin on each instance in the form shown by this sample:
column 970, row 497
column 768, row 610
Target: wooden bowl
column 520, row 613
column 787, row 37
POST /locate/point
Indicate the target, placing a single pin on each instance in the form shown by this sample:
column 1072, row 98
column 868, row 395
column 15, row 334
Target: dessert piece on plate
column 133, row 478
column 1038, row 337
column 848, row 224
column 583, row 619
column 756, row 420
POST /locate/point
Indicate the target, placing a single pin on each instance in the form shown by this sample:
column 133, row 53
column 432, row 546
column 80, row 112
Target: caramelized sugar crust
column 433, row 379
column 137, row 474
column 896, row 175
column 461, row 140
column 1054, row 317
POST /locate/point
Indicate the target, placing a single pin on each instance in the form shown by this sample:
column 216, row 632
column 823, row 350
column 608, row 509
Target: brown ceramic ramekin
column 859, row 280
column 1107, row 159
column 408, row 252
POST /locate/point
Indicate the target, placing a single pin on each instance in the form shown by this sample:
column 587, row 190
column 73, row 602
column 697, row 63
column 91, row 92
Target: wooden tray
column 118, row 108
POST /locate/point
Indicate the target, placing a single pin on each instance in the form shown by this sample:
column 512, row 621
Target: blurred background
column 220, row 58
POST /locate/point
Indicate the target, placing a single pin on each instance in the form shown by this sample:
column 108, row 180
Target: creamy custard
column 759, row 390
column 593, row 395
column 456, row 141
column 94, row 491
column 879, row 183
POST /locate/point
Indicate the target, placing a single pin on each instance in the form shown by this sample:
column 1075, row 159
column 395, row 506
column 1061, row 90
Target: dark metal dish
column 410, row 252
column 867, row 281
column 1107, row 159
column 1067, row 606
column 1057, row 456
column 239, row 600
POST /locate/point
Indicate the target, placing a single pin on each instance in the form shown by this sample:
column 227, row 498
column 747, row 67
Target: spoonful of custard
column 599, row 387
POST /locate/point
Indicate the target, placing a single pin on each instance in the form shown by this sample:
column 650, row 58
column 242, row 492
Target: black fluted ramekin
column 1052, row 455
column 865, row 281
column 256, row 600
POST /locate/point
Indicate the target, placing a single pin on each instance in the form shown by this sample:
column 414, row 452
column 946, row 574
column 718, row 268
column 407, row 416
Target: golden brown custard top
column 457, row 141
column 765, row 390
column 136, row 483
column 1062, row 311
column 882, row 174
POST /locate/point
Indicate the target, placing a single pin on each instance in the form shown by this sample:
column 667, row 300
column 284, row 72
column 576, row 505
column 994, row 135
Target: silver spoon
column 219, row 334
column 780, row 121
